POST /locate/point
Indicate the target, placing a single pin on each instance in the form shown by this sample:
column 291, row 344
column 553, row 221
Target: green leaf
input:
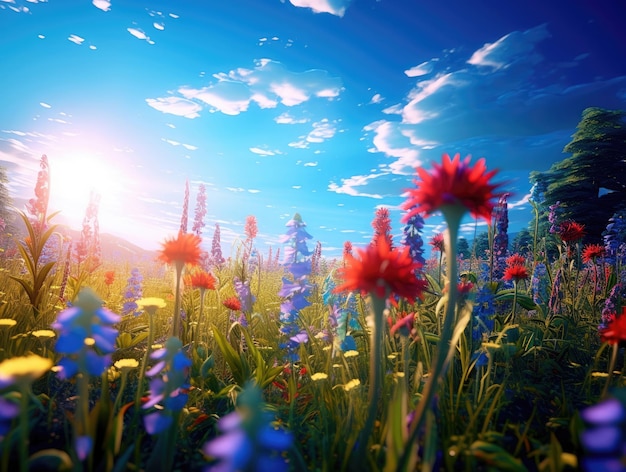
column 524, row 300
column 236, row 363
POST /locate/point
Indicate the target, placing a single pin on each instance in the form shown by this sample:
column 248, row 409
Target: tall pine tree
column 591, row 184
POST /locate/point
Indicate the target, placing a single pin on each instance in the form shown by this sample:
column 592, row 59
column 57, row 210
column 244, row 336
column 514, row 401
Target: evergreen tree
column 481, row 245
column 463, row 248
column 591, row 184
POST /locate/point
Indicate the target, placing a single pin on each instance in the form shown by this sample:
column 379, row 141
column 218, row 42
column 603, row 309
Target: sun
column 75, row 177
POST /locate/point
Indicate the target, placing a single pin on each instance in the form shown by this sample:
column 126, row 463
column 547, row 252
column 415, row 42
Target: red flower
column 453, row 182
column 347, row 249
column 383, row 272
column 109, row 277
column 251, row 229
column 201, row 279
column 516, row 272
column 404, row 325
column 514, row 260
column 437, row 242
column 591, row 252
column 382, row 226
column 570, row 231
column 232, row 303
column 615, row 330
column 184, row 249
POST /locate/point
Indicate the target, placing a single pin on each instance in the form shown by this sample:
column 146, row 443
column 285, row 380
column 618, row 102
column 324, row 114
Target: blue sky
column 322, row 107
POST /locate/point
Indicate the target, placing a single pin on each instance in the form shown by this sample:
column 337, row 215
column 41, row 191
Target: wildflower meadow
column 508, row 358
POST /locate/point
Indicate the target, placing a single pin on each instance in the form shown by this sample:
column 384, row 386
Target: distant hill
column 115, row 248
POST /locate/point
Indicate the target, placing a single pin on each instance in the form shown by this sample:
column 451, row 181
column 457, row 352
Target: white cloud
column 175, row 106
column 263, row 152
column 351, row 185
column 45, row 105
column 140, row 34
column 377, row 98
column 103, row 5
column 267, row 84
column 159, row 26
column 322, row 130
column 76, row 39
column 334, row 7
column 287, row 119
column 413, row 113
column 230, row 98
column 393, row 141
column 289, row 94
column 419, row 70
column 310, row 164
column 513, row 46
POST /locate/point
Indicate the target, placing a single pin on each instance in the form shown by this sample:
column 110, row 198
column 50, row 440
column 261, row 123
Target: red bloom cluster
column 437, row 242
column 251, row 228
column 454, row 182
column 201, row 279
column 382, row 271
column 184, row 249
column 615, row 329
column 515, row 268
column 382, row 226
column 591, row 252
column 571, row 231
column 232, row 303
column 404, row 325
column 109, row 277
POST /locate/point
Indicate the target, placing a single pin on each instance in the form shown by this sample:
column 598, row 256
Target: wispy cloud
column 76, row 39
column 351, row 186
column 419, row 70
column 175, row 106
column 264, row 152
column 287, row 119
column 140, row 34
column 334, row 7
column 267, row 85
column 377, row 98
column 510, row 48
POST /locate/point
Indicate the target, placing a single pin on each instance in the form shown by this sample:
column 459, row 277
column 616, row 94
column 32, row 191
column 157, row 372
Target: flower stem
column 377, row 307
column 24, row 393
column 453, row 215
column 176, row 318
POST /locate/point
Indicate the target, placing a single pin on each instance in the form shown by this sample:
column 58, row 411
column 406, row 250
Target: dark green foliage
column 481, row 244
column 591, row 184
column 463, row 248
column 523, row 242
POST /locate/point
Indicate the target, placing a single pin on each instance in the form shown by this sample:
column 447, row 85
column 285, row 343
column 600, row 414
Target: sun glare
column 74, row 178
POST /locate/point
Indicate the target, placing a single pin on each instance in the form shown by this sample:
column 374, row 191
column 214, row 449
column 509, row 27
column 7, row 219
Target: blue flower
column 86, row 336
column 132, row 293
column 483, row 312
column 539, row 283
column 413, row 239
column 248, row 441
column 168, row 387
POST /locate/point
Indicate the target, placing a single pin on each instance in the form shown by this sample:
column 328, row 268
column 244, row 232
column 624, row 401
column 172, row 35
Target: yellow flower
column 7, row 322
column 350, row 385
column 150, row 302
column 126, row 364
column 44, row 333
column 319, row 376
column 23, row 370
column 351, row 353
